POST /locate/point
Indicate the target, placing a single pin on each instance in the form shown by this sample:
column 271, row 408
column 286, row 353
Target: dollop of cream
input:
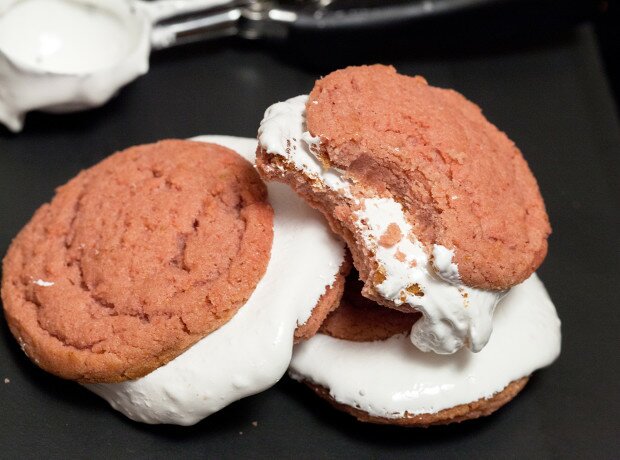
column 454, row 315
column 63, row 36
column 390, row 378
column 64, row 56
column 252, row 351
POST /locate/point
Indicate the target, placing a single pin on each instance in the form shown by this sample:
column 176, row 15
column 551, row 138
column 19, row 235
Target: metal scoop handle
column 182, row 21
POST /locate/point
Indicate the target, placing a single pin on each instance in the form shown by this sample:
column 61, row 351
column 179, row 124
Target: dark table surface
column 549, row 94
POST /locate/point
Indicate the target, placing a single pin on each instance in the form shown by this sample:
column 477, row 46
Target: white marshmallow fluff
column 67, row 55
column 62, row 36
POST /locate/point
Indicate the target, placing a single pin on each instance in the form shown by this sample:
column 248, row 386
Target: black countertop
column 550, row 95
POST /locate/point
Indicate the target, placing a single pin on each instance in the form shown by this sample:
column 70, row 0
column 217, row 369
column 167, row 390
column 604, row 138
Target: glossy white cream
column 252, row 351
column 283, row 132
column 69, row 55
column 63, row 56
column 454, row 315
column 62, row 36
column 390, row 378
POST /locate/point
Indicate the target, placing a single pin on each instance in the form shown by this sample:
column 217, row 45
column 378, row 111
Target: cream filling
column 390, row 378
column 454, row 315
column 251, row 352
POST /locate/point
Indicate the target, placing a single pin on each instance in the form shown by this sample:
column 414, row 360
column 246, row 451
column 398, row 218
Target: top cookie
column 136, row 259
column 463, row 184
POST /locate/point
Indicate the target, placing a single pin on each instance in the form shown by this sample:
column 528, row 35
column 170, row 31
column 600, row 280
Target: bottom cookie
column 363, row 363
column 480, row 408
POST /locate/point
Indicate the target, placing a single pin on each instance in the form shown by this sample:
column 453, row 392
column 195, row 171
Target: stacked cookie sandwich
column 171, row 280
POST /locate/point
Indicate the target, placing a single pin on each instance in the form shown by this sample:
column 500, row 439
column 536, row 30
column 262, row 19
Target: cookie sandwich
column 363, row 363
column 163, row 279
column 443, row 218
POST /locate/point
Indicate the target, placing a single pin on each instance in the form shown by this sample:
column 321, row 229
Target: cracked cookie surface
column 136, row 259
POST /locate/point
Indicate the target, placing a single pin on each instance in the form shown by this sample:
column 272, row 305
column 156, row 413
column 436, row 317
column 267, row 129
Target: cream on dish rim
column 454, row 315
column 252, row 351
column 390, row 378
